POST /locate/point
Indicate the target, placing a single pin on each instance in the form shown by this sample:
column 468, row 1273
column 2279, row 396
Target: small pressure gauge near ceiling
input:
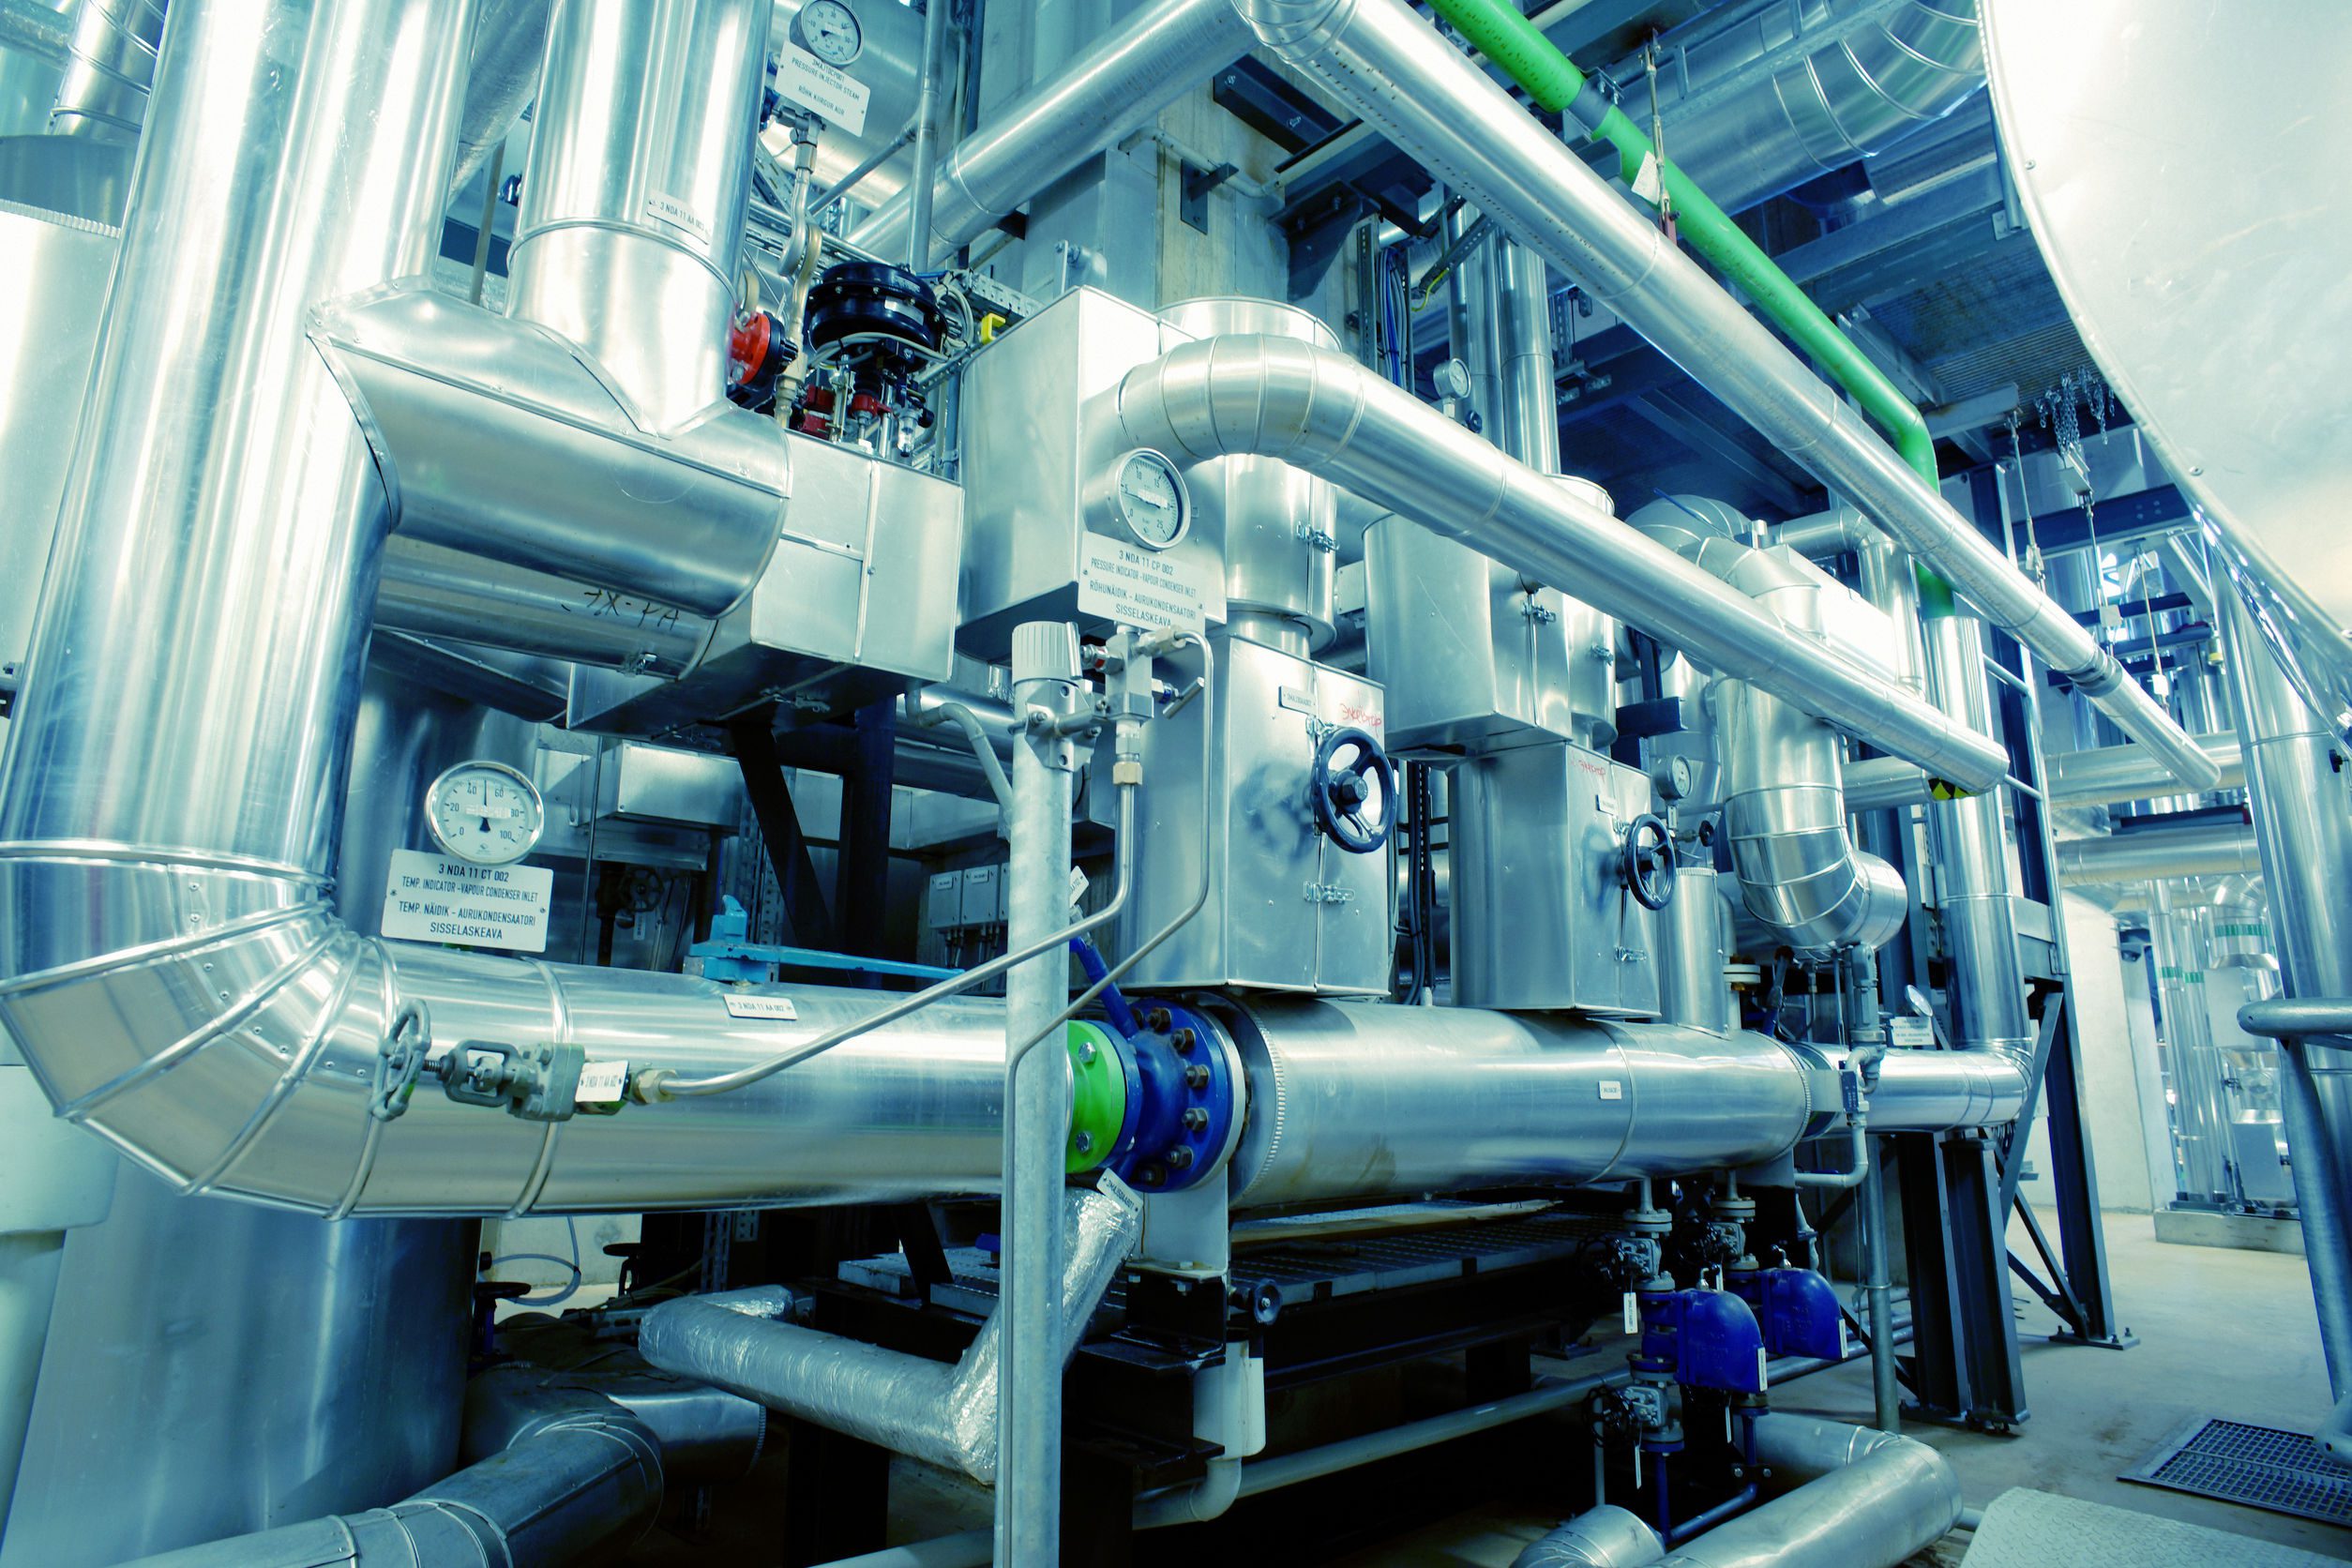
column 484, row 813
column 1150, row 499
column 829, row 30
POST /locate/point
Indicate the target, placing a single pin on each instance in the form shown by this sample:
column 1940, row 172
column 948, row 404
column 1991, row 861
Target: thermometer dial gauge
column 829, row 30
column 484, row 813
column 1151, row 499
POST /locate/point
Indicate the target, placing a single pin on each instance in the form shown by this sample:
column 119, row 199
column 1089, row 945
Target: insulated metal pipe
column 1037, row 1101
column 110, row 66
column 432, row 590
column 942, row 1412
column 1784, row 805
column 2109, row 774
column 1123, row 81
column 1875, row 1500
column 919, row 193
column 2156, row 854
column 510, row 46
column 1321, row 411
column 632, row 214
column 1394, row 69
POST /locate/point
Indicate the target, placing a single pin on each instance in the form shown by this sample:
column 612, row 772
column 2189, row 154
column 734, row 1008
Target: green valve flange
column 1098, row 1106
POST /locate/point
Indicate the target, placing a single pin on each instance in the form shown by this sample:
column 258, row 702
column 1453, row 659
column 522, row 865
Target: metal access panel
column 857, row 603
column 1543, row 917
column 1288, row 910
column 1030, row 451
column 663, row 784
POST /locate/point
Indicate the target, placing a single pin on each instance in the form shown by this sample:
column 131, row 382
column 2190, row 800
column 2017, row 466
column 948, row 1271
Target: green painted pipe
column 1498, row 31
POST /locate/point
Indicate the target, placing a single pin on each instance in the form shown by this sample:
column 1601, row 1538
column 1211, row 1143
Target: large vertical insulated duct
column 2302, row 816
column 633, row 208
column 1768, row 94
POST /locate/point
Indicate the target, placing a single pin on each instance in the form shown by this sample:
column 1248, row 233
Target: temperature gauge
column 484, row 813
column 1150, row 498
column 830, row 30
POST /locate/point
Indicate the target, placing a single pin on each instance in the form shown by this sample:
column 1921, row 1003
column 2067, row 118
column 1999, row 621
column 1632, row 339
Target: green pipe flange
column 1098, row 1104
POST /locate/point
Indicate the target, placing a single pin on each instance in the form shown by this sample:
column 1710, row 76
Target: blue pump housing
column 1798, row 1309
column 1703, row 1338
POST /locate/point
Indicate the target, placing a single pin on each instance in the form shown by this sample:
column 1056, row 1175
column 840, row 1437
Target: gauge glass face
column 484, row 813
column 830, row 30
column 1152, row 500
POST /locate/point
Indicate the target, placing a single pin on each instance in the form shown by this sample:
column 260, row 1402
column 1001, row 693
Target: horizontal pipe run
column 1391, row 67
column 1887, row 1499
column 2110, row 774
column 1122, row 82
column 940, row 1412
column 1325, row 413
column 2158, row 855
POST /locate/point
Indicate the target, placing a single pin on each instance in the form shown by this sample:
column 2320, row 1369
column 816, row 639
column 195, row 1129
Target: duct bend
column 1784, row 805
column 577, row 1480
column 1322, row 412
column 942, row 1413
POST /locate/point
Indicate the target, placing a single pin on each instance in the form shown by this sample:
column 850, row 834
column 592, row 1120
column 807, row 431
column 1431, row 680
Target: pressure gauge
column 829, row 30
column 1150, row 498
column 484, row 812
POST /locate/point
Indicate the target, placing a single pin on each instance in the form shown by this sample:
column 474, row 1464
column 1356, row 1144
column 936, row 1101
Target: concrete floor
column 2221, row 1333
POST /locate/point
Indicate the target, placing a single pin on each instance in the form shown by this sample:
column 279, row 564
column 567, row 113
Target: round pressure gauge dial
column 1150, row 500
column 484, row 813
column 829, row 30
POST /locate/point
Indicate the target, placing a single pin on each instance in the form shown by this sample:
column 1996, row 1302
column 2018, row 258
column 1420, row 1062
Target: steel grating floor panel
column 2261, row 1466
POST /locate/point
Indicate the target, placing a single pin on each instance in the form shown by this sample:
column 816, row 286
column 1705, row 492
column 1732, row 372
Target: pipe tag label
column 602, row 1083
column 431, row 897
column 753, row 1004
column 1612, row 1089
column 1147, row 589
column 1907, row 1033
column 803, row 79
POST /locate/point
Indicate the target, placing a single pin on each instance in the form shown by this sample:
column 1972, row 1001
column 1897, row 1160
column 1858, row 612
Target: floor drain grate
column 2259, row 1466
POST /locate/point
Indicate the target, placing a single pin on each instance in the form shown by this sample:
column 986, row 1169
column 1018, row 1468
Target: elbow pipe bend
column 1320, row 411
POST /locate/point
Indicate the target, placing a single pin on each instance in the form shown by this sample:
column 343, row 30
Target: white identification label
column 670, row 210
column 602, row 1083
column 1138, row 587
column 1844, row 1346
column 1612, row 1090
column 1763, row 1373
column 801, row 78
column 750, row 1004
column 1911, row 1032
column 1650, row 179
column 433, row 898
column 1633, row 1314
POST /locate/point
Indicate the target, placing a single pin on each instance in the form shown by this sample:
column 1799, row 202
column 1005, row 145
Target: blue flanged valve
column 1797, row 1310
column 1184, row 1098
column 1702, row 1338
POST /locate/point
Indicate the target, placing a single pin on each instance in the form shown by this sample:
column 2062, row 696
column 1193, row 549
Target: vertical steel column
column 2302, row 815
column 1037, row 1120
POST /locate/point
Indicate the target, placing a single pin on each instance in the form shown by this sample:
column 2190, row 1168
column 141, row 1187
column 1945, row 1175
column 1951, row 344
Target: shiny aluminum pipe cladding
column 1321, row 411
column 1784, row 805
column 1392, row 68
column 432, row 591
column 1124, row 81
column 944, row 1414
column 1894, row 1496
column 497, row 438
column 1348, row 1098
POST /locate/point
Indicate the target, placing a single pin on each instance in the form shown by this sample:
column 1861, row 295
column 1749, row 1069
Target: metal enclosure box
column 1027, row 453
column 1542, row 917
column 1288, row 910
column 984, row 896
column 641, row 783
column 1467, row 656
column 942, row 902
column 857, row 603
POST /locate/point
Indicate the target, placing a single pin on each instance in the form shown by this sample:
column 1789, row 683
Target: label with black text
column 434, row 897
